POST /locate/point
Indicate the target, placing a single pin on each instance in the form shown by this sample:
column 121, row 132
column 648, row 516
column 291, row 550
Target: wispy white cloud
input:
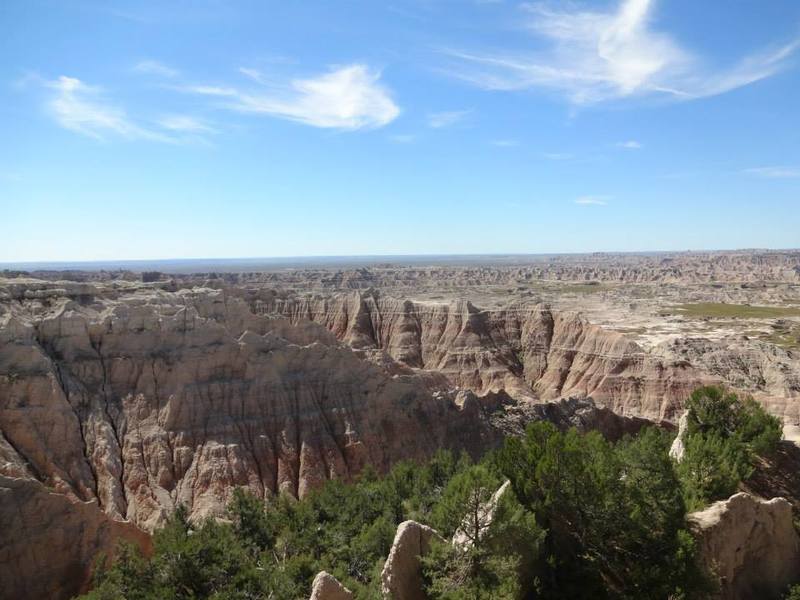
column 82, row 108
column 208, row 90
column 185, row 123
column 593, row 200
column 504, row 143
column 630, row 145
column 154, row 67
column 347, row 98
column 447, row 118
column 253, row 74
column 85, row 109
column 595, row 56
column 774, row 172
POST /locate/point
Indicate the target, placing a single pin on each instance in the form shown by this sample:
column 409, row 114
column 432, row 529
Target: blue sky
column 142, row 130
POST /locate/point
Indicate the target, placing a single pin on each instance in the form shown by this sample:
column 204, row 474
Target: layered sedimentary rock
column 49, row 543
column 750, row 545
column 748, row 267
column 770, row 373
column 527, row 351
column 178, row 398
column 144, row 398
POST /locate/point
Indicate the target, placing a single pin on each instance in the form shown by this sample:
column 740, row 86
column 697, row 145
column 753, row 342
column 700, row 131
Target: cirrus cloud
column 347, row 98
column 596, row 56
column 154, row 67
column 83, row 109
column 446, row 118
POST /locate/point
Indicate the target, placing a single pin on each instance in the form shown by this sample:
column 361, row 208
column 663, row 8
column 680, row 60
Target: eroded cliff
column 530, row 351
column 163, row 398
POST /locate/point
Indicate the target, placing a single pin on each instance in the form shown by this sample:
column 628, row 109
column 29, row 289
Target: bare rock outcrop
column 163, row 398
column 750, row 545
column 581, row 413
column 678, row 447
column 49, row 543
column 327, row 587
column 401, row 578
column 528, row 351
column 767, row 371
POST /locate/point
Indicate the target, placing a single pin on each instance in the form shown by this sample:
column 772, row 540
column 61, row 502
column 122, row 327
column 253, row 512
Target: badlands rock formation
column 770, row 373
column 327, row 587
column 158, row 398
column 49, row 544
column 120, row 400
column 750, row 544
column 528, row 351
column 401, row 578
column 678, row 447
column 738, row 267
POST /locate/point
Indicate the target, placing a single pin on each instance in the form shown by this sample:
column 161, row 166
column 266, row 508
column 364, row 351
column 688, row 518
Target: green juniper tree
column 724, row 435
column 490, row 538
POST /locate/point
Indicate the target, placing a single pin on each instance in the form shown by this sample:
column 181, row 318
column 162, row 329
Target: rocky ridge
column 178, row 398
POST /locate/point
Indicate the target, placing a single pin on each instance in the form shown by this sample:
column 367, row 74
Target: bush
column 711, row 469
column 274, row 550
column 716, row 411
column 613, row 515
column 495, row 547
column 724, row 435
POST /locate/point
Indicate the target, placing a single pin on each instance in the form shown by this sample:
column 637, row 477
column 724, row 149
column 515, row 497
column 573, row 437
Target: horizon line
column 71, row 264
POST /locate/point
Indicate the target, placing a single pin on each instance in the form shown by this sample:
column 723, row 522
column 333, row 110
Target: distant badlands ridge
column 120, row 399
column 336, row 273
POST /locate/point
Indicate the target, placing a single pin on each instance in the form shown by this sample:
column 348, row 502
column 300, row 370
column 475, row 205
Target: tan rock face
column 49, row 543
column 750, row 544
column 401, row 578
column 165, row 398
column 528, row 351
column 678, row 448
column 327, row 587
column 770, row 373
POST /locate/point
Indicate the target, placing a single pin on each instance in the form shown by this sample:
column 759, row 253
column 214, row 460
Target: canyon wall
column 164, row 398
column 529, row 351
